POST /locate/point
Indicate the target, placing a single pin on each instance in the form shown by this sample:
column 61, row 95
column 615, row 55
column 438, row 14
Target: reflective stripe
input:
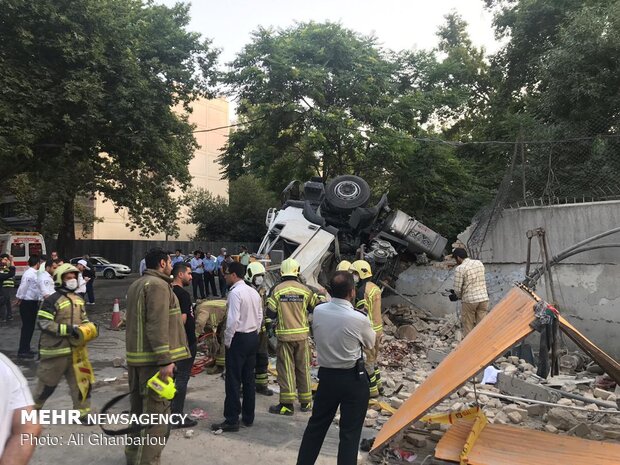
column 377, row 328
column 215, row 303
column 161, row 349
column 62, row 329
column 64, row 304
column 44, row 314
column 63, row 351
column 174, row 311
column 293, row 331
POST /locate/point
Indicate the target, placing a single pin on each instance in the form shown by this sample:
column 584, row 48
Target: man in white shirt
column 15, row 398
column 46, row 279
column 28, row 298
column 340, row 332
column 245, row 314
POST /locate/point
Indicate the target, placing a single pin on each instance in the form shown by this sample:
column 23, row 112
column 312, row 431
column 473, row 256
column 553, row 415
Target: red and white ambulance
column 22, row 245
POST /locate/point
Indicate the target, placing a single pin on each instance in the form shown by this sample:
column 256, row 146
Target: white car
column 106, row 268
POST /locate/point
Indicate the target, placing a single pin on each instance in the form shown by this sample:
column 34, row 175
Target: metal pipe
column 570, row 395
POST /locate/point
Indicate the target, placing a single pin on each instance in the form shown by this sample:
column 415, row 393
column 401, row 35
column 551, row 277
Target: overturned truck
column 319, row 224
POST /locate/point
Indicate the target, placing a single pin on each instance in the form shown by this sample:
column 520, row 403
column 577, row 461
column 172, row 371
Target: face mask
column 356, row 279
column 259, row 280
column 71, row 284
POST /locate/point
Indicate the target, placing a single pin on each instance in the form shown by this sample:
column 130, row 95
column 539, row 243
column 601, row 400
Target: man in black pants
column 28, row 297
column 244, row 318
column 7, row 273
column 182, row 276
column 340, row 332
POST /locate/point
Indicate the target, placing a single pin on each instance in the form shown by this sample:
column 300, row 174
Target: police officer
column 289, row 302
column 7, row 273
column 368, row 299
column 255, row 277
column 58, row 318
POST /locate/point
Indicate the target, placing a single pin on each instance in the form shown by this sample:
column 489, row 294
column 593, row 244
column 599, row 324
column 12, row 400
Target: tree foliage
column 241, row 218
column 89, row 92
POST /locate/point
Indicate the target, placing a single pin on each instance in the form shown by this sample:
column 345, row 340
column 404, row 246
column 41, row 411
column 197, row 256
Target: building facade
column 204, row 169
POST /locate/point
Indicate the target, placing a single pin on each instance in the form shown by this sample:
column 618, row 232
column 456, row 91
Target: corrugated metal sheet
column 506, row 324
column 611, row 367
column 509, row 445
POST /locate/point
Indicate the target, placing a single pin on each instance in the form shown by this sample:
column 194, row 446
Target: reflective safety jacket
column 57, row 315
column 7, row 273
column 155, row 333
column 210, row 313
column 368, row 299
column 290, row 301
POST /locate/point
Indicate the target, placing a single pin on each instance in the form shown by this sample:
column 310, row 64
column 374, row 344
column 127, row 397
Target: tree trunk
column 66, row 234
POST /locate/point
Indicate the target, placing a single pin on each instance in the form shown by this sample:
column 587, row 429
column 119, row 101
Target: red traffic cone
column 116, row 315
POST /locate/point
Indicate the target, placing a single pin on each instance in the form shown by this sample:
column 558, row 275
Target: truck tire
column 347, row 192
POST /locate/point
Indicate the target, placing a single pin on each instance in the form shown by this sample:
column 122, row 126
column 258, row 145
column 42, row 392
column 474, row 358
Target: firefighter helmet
column 344, row 265
column 362, row 268
column 290, row 267
column 253, row 269
column 63, row 270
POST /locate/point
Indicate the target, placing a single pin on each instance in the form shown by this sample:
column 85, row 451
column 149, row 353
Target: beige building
column 204, row 169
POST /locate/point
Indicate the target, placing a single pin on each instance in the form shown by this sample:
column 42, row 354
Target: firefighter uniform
column 58, row 316
column 211, row 316
column 261, row 371
column 155, row 337
column 368, row 299
column 290, row 301
column 7, row 273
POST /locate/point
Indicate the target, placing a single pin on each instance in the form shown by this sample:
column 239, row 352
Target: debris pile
column 580, row 402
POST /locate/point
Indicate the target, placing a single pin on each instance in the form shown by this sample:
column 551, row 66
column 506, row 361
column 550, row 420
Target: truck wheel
column 347, row 192
column 109, row 274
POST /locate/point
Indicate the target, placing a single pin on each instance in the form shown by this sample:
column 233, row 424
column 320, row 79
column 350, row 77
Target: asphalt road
column 272, row 439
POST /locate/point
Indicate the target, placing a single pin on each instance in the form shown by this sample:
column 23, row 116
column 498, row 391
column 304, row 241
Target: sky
column 398, row 24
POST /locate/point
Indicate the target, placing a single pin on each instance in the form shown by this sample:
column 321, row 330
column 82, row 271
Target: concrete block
column 436, row 436
column 517, row 387
column 536, row 410
column 601, row 393
column 561, row 418
column 435, row 357
column 417, row 440
column 515, row 417
column 581, row 431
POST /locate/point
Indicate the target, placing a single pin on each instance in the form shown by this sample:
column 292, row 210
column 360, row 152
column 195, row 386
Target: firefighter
column 155, row 339
column 368, row 299
column 289, row 302
column 7, row 273
column 344, row 265
column 255, row 277
column 59, row 318
column 211, row 316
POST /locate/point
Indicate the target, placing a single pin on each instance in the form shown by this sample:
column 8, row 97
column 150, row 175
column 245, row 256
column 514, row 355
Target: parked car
column 106, row 268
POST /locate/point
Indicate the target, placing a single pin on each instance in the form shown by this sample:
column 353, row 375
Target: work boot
column 306, row 407
column 214, row 370
column 282, row 409
column 264, row 390
column 225, row 427
column 26, row 355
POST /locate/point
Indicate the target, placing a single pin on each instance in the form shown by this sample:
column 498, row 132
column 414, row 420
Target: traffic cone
column 116, row 315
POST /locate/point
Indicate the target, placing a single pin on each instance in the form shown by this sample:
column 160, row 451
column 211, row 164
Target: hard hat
column 253, row 269
column 289, row 267
column 63, row 270
column 362, row 268
column 344, row 265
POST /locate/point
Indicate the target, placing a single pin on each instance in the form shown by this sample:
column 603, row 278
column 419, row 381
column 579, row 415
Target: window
column 18, row 249
column 35, row 248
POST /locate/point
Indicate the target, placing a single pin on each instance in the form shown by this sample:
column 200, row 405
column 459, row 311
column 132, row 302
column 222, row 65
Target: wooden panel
column 509, row 445
column 611, row 367
column 506, row 324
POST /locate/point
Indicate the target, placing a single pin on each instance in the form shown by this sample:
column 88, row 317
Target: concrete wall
column 587, row 285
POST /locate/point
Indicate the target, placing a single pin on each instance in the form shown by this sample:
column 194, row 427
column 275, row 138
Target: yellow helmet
column 254, row 269
column 63, row 270
column 362, row 268
column 344, row 265
column 290, row 267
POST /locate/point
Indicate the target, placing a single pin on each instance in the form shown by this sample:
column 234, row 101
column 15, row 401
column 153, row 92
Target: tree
column 241, row 218
column 89, row 92
column 307, row 94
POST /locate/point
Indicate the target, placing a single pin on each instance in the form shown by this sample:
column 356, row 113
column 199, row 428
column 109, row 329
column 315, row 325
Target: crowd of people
column 162, row 325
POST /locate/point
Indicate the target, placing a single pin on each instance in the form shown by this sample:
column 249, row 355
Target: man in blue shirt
column 210, row 267
column 198, row 269
column 177, row 257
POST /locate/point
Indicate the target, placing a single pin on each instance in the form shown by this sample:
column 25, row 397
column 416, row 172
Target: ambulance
column 22, row 245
